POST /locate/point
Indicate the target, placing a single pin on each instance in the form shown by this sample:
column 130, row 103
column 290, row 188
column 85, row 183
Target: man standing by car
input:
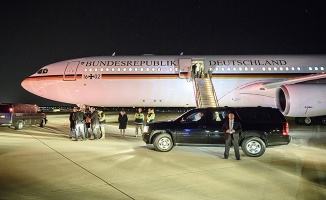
column 232, row 129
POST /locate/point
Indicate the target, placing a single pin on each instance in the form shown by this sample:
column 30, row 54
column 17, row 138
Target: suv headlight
column 146, row 129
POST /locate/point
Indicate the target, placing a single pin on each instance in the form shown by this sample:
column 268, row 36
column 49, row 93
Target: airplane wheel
column 298, row 121
column 301, row 120
column 323, row 120
column 307, row 121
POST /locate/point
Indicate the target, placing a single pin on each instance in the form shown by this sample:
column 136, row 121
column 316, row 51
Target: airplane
column 295, row 84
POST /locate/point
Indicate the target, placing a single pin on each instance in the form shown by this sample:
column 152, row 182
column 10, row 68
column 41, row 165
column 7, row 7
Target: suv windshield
column 4, row 109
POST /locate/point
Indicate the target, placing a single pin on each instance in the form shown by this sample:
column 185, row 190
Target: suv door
column 214, row 126
column 191, row 128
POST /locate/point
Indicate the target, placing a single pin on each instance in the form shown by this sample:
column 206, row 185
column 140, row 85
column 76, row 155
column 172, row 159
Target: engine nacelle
column 302, row 100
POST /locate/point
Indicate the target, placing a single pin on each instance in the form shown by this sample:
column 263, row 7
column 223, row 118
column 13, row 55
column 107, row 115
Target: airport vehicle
column 261, row 127
column 295, row 84
column 19, row 115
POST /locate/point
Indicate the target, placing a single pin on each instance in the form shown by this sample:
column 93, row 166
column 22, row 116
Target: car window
column 195, row 117
column 218, row 116
column 259, row 115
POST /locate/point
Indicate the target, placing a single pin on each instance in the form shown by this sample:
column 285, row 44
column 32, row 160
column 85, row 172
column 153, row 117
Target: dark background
column 38, row 33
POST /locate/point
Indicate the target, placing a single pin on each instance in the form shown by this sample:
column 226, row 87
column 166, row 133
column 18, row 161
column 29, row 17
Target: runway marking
column 81, row 166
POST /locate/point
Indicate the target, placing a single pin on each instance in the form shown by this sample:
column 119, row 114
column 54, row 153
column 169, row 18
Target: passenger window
column 258, row 116
column 219, row 116
column 195, row 117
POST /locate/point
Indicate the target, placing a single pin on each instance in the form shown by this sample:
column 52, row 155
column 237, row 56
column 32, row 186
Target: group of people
column 88, row 122
column 139, row 119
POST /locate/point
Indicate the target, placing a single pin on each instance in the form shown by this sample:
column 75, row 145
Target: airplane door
column 185, row 68
column 70, row 71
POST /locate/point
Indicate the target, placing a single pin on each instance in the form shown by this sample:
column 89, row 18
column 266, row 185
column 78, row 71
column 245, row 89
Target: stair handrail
column 214, row 93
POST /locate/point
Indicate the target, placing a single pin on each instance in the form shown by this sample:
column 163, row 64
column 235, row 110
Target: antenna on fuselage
column 113, row 54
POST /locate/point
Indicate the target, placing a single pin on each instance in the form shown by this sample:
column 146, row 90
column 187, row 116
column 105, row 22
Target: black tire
column 42, row 124
column 253, row 147
column 301, row 120
column 163, row 142
column 19, row 125
column 323, row 120
column 307, row 121
column 298, row 121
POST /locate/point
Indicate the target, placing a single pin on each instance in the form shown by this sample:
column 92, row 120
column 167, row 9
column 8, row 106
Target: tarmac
column 43, row 163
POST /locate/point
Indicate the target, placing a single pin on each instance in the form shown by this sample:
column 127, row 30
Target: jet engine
column 301, row 100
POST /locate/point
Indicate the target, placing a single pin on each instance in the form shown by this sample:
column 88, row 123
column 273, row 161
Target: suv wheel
column 19, row 125
column 163, row 142
column 253, row 147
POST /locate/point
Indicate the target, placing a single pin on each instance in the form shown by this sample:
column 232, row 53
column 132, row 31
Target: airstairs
column 204, row 92
column 202, row 81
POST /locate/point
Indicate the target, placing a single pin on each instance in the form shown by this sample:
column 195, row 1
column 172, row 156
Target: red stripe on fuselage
column 162, row 76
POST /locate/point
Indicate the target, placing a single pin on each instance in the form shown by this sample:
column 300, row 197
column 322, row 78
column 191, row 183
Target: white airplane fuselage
column 164, row 81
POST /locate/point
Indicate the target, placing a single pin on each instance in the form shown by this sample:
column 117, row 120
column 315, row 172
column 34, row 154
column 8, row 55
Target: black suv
column 261, row 127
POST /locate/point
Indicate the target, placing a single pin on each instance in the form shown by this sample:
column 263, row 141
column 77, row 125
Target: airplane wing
column 290, row 81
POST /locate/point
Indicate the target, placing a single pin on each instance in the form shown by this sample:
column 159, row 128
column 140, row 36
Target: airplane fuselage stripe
column 163, row 76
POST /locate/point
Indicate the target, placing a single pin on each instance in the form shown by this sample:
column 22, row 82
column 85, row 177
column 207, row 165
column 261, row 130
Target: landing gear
column 303, row 121
column 322, row 120
column 311, row 120
column 307, row 121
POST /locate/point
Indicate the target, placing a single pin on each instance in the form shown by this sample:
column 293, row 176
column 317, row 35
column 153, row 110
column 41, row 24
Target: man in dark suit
column 232, row 129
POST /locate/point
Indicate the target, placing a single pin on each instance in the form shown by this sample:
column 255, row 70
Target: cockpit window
column 42, row 71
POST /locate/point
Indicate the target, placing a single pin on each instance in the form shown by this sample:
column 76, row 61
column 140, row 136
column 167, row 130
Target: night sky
column 36, row 33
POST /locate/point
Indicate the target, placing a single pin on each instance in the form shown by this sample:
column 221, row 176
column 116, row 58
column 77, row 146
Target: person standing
column 102, row 123
column 123, row 120
column 95, row 123
column 150, row 115
column 72, row 122
column 88, row 125
column 193, row 71
column 232, row 128
column 139, row 121
column 79, row 119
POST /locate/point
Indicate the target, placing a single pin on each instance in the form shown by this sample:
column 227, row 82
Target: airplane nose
column 27, row 84
column 24, row 83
